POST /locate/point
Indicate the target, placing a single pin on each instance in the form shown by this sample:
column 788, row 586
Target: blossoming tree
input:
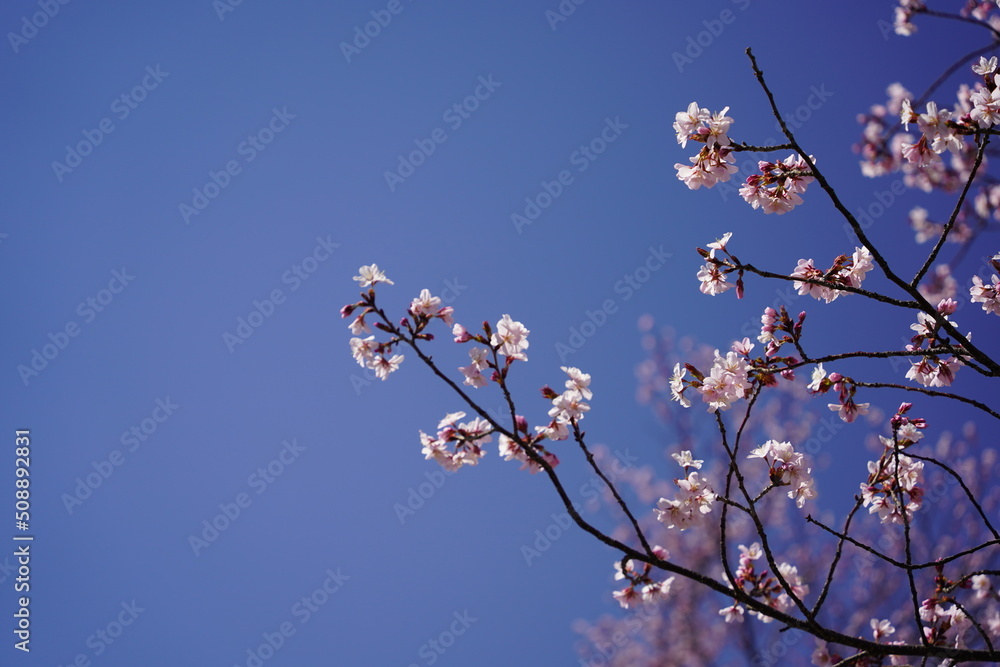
column 740, row 529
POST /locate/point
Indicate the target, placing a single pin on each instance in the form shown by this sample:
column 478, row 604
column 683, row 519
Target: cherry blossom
column 473, row 372
column 988, row 295
column 778, row 187
column 986, row 104
column 369, row 275
column 579, row 381
column 511, row 338
column 383, row 365
column 713, row 280
column 425, row 305
column 690, row 506
column 709, row 166
column 787, row 468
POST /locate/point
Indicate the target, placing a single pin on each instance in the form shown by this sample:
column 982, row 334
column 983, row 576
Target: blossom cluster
column 849, row 271
column 933, row 370
column 786, row 467
column 457, row 444
column 779, row 185
column 903, row 14
column 896, row 475
column 714, row 162
column 776, row 189
column 728, row 381
column 641, row 587
column 987, row 294
column 773, row 323
column 712, row 275
column 846, row 407
column 695, row 500
column 761, row 585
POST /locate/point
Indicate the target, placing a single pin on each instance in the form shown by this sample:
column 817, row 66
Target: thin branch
column 931, row 392
column 883, row 264
column 578, row 436
column 954, row 215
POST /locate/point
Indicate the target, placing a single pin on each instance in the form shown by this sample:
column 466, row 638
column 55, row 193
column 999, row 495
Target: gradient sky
column 298, row 132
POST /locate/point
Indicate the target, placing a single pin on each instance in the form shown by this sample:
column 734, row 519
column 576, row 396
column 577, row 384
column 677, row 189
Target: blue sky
column 220, row 160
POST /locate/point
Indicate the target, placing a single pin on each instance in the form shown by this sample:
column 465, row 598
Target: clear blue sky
column 221, row 153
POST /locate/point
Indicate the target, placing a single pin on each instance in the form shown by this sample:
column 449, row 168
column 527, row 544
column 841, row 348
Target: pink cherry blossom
column 713, row 280
column 511, row 338
column 988, row 295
